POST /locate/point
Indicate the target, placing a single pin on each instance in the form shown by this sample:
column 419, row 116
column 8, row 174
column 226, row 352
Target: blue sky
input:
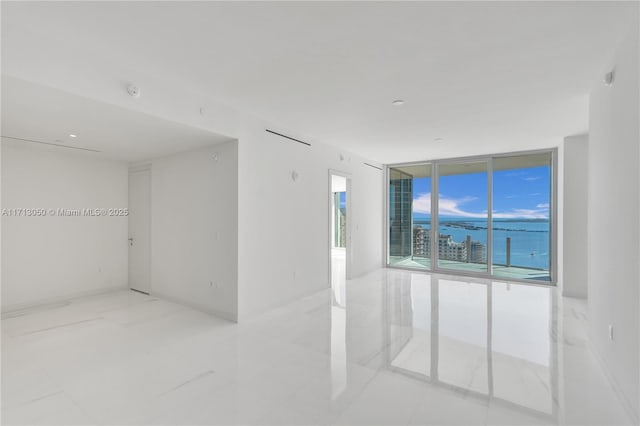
column 520, row 193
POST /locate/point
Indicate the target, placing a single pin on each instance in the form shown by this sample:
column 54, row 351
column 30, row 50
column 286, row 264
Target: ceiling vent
column 288, row 137
column 51, row 143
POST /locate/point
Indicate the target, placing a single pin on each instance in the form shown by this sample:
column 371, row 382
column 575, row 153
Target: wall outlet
column 610, row 332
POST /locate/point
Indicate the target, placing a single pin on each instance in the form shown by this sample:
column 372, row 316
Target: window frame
column 488, row 158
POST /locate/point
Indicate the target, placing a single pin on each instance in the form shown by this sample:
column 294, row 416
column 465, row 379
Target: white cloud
column 454, row 207
column 446, row 206
column 531, row 178
column 422, row 204
column 522, row 214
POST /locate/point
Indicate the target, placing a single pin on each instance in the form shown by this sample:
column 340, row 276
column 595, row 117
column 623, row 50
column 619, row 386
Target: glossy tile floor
column 392, row 347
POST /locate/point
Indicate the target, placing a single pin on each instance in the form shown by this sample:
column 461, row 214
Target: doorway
column 339, row 228
column 339, row 272
column 140, row 230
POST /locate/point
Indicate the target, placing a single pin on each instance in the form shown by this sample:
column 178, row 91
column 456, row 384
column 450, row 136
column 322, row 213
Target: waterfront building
column 448, row 249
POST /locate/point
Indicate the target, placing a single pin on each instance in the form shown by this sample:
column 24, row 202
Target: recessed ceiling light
column 73, row 136
column 398, row 102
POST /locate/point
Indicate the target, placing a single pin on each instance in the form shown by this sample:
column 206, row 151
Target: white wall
column 614, row 230
column 50, row 258
column 284, row 224
column 575, row 172
column 194, row 228
column 264, row 165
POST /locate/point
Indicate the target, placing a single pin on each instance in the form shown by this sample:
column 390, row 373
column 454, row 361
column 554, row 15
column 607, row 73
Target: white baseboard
column 23, row 308
column 220, row 314
column 12, row 310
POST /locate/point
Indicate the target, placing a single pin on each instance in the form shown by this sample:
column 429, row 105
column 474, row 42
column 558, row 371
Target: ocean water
column 529, row 238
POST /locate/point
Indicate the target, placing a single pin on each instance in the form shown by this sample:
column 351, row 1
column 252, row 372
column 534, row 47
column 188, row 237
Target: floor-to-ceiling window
column 463, row 205
column 493, row 215
column 521, row 225
column 410, row 216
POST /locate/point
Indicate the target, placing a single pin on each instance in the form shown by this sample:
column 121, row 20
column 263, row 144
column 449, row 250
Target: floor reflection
column 486, row 339
column 389, row 347
column 483, row 339
column 338, row 323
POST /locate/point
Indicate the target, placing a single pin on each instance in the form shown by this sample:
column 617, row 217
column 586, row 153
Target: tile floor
column 392, row 347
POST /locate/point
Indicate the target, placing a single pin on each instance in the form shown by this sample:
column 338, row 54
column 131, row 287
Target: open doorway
column 340, row 227
column 339, row 273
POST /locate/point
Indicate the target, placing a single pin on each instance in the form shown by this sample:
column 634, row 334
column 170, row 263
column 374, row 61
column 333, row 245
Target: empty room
column 320, row 213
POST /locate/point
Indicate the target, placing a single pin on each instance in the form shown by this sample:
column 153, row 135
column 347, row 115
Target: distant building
column 400, row 213
column 448, row 249
column 342, row 227
column 421, row 242
column 451, row 250
column 477, row 252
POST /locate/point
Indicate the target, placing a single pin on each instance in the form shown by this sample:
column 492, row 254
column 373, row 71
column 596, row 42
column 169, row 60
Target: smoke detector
column 133, row 91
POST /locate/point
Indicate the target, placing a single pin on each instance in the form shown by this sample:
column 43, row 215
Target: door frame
column 136, row 169
column 348, row 230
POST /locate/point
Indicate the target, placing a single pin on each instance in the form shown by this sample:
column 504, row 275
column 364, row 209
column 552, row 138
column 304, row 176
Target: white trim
column 490, row 218
column 554, row 220
column 385, row 216
column 348, row 231
column 139, row 167
column 13, row 309
column 198, row 307
column 147, row 167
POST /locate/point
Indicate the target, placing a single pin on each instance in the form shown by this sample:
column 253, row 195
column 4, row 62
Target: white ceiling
column 485, row 76
column 37, row 113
